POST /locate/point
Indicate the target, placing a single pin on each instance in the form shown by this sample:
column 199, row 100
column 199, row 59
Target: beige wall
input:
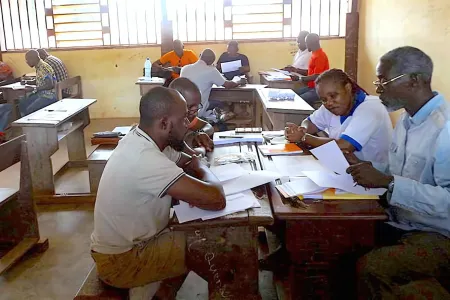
column 109, row 74
column 387, row 24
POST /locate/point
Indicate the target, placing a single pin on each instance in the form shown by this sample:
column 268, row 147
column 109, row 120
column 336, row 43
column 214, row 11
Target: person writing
column 416, row 253
column 233, row 54
column 359, row 123
column 302, row 57
column 131, row 243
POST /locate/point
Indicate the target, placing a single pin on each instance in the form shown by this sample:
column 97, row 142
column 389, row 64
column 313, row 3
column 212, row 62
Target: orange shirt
column 318, row 63
column 174, row 60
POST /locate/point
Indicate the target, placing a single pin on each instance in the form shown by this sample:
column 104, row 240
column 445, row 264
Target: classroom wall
column 387, row 24
column 109, row 75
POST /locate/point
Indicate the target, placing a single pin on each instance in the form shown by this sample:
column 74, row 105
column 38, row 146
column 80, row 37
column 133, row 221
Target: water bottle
column 148, row 69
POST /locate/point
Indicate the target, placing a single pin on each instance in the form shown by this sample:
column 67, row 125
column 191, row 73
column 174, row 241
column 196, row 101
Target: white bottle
column 148, row 69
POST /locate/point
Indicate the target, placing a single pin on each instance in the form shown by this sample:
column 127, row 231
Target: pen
column 59, row 110
column 230, row 137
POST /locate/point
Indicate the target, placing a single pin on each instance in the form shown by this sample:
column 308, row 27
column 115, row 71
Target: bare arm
column 230, row 84
column 309, row 78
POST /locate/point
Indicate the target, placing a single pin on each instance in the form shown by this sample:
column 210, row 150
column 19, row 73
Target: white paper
column 123, row 130
column 228, row 171
column 344, row 182
column 231, row 66
column 331, row 157
column 248, row 181
column 295, row 165
column 230, row 137
column 302, row 186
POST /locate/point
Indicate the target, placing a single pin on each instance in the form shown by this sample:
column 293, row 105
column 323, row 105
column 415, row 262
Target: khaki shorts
column 160, row 258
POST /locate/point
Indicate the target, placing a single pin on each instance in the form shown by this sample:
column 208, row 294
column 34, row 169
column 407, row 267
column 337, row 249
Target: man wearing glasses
column 416, row 253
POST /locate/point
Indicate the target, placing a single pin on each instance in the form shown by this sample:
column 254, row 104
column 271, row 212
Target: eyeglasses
column 195, row 108
column 382, row 85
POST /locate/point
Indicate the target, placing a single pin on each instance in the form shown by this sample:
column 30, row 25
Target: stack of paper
column 281, row 95
column 123, row 130
column 280, row 149
column 230, row 137
column 302, row 186
column 289, row 166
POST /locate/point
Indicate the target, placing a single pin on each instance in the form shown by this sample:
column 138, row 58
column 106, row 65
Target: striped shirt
column 59, row 68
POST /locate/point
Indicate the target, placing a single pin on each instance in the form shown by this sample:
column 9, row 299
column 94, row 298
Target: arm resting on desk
column 48, row 85
column 310, row 78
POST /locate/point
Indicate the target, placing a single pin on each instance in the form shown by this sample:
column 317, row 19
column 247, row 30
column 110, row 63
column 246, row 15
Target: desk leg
column 228, row 259
column 76, row 146
column 10, row 97
column 41, row 144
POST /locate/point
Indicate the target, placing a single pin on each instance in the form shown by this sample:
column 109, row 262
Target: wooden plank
column 11, row 152
column 66, row 199
column 101, row 154
column 16, row 253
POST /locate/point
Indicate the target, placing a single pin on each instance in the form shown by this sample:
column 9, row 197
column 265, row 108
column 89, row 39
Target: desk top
column 275, row 76
column 152, row 81
column 15, row 86
column 254, row 216
column 245, row 87
column 7, row 194
column 55, row 114
column 286, row 106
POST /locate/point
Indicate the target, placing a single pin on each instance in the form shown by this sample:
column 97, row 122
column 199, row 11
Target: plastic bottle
column 148, row 68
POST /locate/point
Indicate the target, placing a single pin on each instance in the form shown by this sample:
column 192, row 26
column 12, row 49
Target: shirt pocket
column 395, row 161
column 414, row 167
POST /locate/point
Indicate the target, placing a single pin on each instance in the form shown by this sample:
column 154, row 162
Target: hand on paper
column 365, row 175
column 294, row 133
column 203, row 140
column 193, row 167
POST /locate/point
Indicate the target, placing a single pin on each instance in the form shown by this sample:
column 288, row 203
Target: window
column 26, row 24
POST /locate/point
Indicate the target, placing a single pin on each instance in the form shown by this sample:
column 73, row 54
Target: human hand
column 289, row 69
column 203, row 140
column 351, row 158
column 193, row 167
column 29, row 88
column 365, row 175
column 242, row 82
column 294, row 133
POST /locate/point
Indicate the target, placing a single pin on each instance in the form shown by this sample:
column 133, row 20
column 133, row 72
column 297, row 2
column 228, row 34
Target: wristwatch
column 391, row 186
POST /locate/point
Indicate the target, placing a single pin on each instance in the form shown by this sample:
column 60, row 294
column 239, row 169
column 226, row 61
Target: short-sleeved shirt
column 225, row 57
column 132, row 203
column 301, row 59
column 174, row 60
column 318, row 63
column 43, row 72
column 204, row 76
column 59, row 68
column 367, row 127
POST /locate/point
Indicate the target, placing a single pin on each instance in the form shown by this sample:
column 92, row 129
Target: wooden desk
column 11, row 93
column 280, row 84
column 147, row 85
column 275, row 114
column 324, row 241
column 229, row 244
column 42, row 130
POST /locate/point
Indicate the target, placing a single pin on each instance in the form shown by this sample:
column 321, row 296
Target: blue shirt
column 419, row 160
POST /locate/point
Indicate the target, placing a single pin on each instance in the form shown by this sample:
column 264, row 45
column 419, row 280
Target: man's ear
column 415, row 78
column 164, row 123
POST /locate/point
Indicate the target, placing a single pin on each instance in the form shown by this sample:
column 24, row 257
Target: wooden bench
column 96, row 163
column 70, row 83
column 94, row 289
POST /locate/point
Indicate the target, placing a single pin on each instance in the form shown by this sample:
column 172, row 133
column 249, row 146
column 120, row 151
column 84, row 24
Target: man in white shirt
column 205, row 75
column 131, row 244
column 302, row 57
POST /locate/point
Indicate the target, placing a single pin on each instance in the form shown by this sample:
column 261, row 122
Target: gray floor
column 59, row 272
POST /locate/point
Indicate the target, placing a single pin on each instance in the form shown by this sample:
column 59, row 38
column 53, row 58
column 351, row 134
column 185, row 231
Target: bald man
column 132, row 245
column 57, row 66
column 205, row 75
column 44, row 93
column 301, row 59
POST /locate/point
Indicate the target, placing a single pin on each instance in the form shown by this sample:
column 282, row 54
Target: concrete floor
column 59, row 272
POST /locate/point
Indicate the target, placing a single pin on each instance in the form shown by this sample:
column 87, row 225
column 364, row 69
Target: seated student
column 44, row 93
column 205, row 75
column 233, row 54
column 196, row 136
column 131, row 243
column 302, row 57
column 5, row 114
column 57, row 66
column 318, row 63
column 357, row 122
column 176, row 59
column 415, row 259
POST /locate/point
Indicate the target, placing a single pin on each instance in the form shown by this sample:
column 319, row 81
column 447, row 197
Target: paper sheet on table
column 331, row 157
column 235, row 203
column 295, row 165
column 230, row 137
column 231, row 66
column 344, row 182
column 228, row 172
column 123, row 130
column 302, row 186
column 248, row 181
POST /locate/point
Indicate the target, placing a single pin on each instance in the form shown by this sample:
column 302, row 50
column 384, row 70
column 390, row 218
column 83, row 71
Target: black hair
column 341, row 77
column 155, row 104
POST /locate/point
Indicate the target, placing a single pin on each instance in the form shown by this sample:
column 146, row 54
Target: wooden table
column 280, row 84
column 229, row 244
column 43, row 134
column 147, row 85
column 324, row 241
column 11, row 93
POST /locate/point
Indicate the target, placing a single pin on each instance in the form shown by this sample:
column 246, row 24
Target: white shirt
column 204, row 77
column 368, row 128
column 301, row 59
column 132, row 205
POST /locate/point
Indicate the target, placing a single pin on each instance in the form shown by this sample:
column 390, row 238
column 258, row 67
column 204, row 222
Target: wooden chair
column 69, row 83
column 19, row 230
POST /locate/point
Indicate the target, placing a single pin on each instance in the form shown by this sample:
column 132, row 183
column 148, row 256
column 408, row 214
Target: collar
column 39, row 63
column 304, row 51
column 201, row 62
column 317, row 51
column 141, row 133
column 359, row 98
column 423, row 113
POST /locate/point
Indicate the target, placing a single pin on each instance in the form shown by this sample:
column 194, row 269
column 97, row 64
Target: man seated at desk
column 131, row 243
column 199, row 131
column 302, row 57
column 318, row 63
column 6, row 72
column 231, row 55
column 205, row 75
column 175, row 60
column 416, row 258
column 57, row 66
column 44, row 93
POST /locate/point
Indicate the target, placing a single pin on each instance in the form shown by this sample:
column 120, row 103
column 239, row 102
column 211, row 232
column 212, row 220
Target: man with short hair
column 131, row 243
column 44, row 93
column 58, row 67
column 302, row 57
column 175, row 59
column 233, row 54
column 205, row 75
column 416, row 257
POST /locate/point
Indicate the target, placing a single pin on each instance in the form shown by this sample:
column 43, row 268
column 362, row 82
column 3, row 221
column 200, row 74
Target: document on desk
column 331, row 157
column 123, row 130
column 231, row 66
column 250, row 180
column 301, row 186
column 289, row 166
column 230, row 137
column 228, row 172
